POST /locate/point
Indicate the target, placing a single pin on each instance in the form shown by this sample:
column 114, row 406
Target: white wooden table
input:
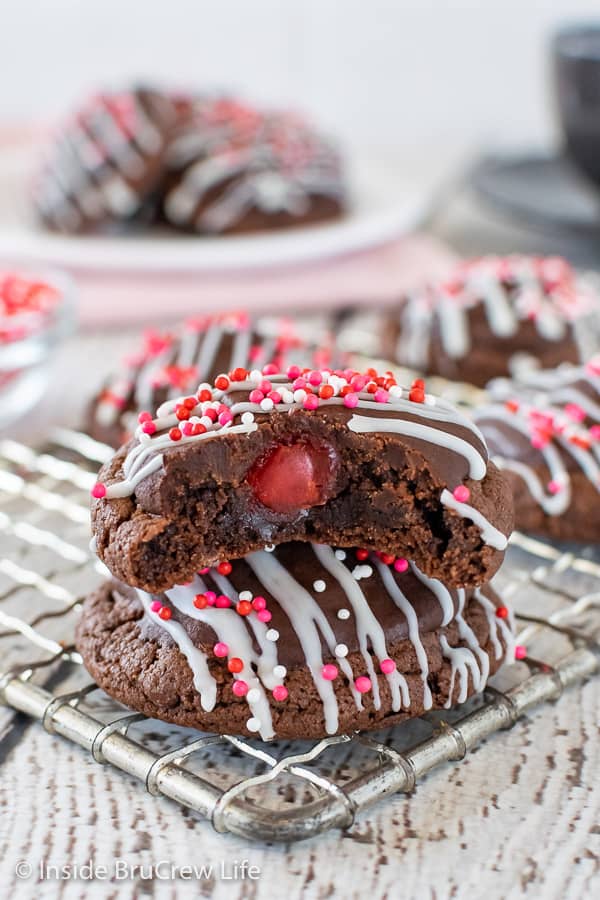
column 519, row 818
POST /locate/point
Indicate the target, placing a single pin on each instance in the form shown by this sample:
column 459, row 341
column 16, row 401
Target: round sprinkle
column 175, row 434
column 245, row 595
column 210, row 597
column 520, row 651
column 259, row 603
column 280, row 671
column 401, row 565
column 148, row 427
column 244, row 608
column 144, row 417
column 269, row 548
column 247, row 418
column 319, row 586
column 253, row 695
column 387, row 666
column 361, row 555
column 351, row 400
column 502, row 612
column 343, row 614
column 220, row 649
column 224, row 568
column 362, row 684
column 200, row 601
column 340, row 554
column 267, row 404
column 240, row 688
column 155, row 606
column 341, row 651
column 272, row 634
column 165, row 613
column 280, row 692
column 222, row 602
column 235, row 665
column 99, row 491
column 329, row 672
column 253, row 724
column 264, row 615
column 461, row 493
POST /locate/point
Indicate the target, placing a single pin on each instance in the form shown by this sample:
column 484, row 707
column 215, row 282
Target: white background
column 383, row 74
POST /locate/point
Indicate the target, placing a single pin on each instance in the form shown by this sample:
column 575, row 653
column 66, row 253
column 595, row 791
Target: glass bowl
column 36, row 313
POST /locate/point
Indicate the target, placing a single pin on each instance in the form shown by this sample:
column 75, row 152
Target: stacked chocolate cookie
column 298, row 553
column 206, row 164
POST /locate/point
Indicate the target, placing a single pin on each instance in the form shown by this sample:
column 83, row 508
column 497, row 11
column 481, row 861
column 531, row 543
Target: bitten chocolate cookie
column 106, row 162
column 335, row 457
column 494, row 317
column 235, row 169
column 544, row 433
column 169, row 363
column 301, row 642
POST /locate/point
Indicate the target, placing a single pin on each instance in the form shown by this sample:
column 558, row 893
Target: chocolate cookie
column 297, row 643
column 106, row 163
column 494, row 317
column 544, row 433
column 234, row 169
column 335, row 457
column 169, row 363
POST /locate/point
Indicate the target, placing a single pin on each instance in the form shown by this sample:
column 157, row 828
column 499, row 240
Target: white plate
column 384, row 206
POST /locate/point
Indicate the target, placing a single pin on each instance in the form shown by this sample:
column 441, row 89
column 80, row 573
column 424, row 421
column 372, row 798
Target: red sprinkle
column 165, row 613
column 175, row 434
column 244, row 608
column 224, row 568
column 361, row 555
column 200, row 601
column 222, row 382
column 502, row 612
column 235, row 665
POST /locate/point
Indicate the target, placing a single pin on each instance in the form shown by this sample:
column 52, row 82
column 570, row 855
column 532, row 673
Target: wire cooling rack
column 281, row 791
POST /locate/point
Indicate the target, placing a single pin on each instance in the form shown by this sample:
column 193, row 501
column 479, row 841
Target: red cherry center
column 293, row 477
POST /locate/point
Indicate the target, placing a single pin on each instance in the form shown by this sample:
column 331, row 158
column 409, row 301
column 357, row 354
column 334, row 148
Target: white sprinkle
column 430, row 400
column 359, row 572
column 340, row 554
column 206, row 421
column 299, row 396
column 395, row 390
column 341, row 650
column 319, row 586
column 205, row 386
column 256, row 375
column 267, row 404
column 253, row 724
column 253, row 695
column 287, row 396
column 272, row 634
column 280, row 671
column 343, row 614
column 247, row 418
column 269, row 548
column 245, row 595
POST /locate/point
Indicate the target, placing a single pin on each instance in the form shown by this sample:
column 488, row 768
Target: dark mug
column 576, row 57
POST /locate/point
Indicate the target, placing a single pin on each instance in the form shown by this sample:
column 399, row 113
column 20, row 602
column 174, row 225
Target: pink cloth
column 377, row 276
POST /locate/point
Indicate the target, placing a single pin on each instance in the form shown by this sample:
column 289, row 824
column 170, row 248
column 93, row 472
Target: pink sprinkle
column 315, row 378
column 225, row 418
column 155, row 605
column 99, row 490
column 256, row 396
column 187, row 428
column 298, row 384
column 401, row 565
column 265, row 386
column 280, row 692
column 220, row 649
column 554, row 487
column 293, row 372
column 211, row 597
column 520, row 651
column 259, row 603
column 575, row 412
column 240, row 688
column 222, row 602
column 329, row 672
column 275, row 396
column 351, row 400
column 264, row 615
column 204, row 571
column 148, row 427
column 539, row 441
column 362, row 684
column 461, row 493
column 144, row 417
column 387, row 666
column 270, row 369
column 595, row 432
column 381, row 396
column 358, row 382
column 311, row 401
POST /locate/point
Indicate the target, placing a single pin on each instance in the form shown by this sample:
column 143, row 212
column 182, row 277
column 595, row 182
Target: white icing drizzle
column 367, row 627
column 489, row 534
